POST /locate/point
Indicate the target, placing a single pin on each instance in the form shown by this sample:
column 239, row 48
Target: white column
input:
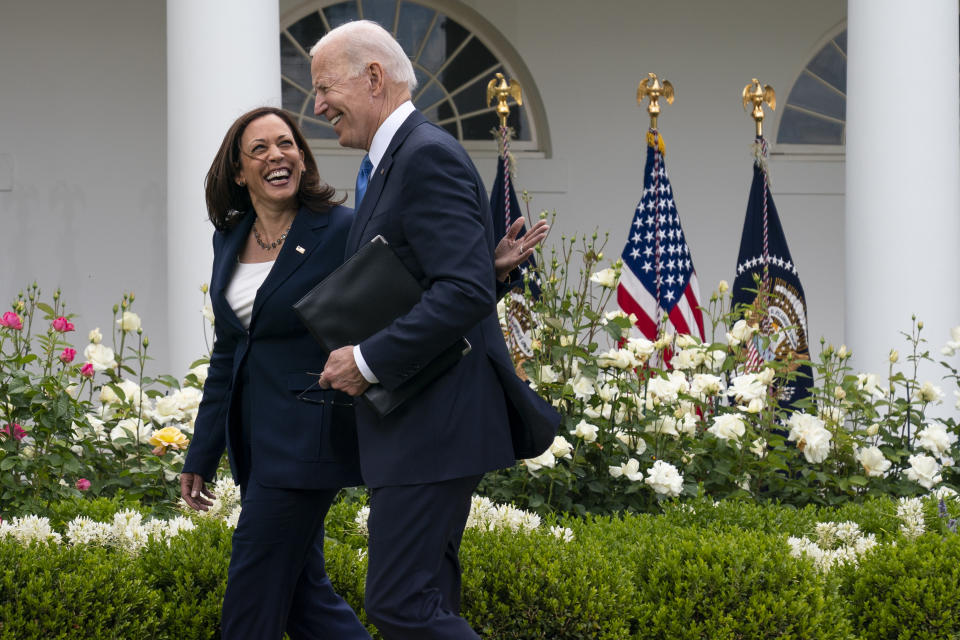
column 903, row 177
column 223, row 58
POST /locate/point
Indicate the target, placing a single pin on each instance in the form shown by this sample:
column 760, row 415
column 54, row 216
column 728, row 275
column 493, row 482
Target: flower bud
column 894, row 356
column 919, row 324
column 204, row 288
column 842, row 352
column 873, row 429
column 839, row 393
column 723, row 287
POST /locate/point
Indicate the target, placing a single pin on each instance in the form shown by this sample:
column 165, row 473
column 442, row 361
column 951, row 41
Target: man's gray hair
column 365, row 41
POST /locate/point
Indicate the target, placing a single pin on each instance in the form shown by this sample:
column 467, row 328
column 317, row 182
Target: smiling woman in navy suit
column 291, row 445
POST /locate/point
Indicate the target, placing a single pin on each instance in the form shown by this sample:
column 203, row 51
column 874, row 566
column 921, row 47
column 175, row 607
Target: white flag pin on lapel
column 300, row 249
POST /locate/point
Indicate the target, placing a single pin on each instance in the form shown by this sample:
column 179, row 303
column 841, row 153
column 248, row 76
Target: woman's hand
column 511, row 251
column 193, row 491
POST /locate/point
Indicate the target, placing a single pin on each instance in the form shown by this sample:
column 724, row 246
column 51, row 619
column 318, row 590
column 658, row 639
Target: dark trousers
column 277, row 581
column 413, row 575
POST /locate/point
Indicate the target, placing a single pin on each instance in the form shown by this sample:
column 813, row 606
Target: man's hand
column 341, row 373
column 512, row 251
column 194, row 493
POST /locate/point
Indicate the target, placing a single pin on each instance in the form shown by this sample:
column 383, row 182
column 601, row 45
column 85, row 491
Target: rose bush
column 86, row 421
column 640, row 431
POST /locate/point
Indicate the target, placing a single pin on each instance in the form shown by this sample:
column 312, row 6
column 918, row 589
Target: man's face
column 344, row 100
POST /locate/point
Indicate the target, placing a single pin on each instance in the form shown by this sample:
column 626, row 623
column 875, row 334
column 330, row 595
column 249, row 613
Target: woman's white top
column 242, row 290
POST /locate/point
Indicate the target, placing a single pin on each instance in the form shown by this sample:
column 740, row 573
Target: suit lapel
column 305, row 234
column 377, row 180
column 227, row 260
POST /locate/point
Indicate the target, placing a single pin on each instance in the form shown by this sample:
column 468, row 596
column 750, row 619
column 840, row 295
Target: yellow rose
column 168, row 437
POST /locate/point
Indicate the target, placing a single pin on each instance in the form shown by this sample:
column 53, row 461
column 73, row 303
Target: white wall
column 82, row 121
column 82, row 116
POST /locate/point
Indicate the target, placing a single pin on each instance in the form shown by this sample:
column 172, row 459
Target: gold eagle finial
column 501, row 91
column 651, row 87
column 756, row 95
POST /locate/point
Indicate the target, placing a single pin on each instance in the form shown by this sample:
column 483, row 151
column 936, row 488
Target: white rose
column 747, row 387
column 867, row 382
column 728, row 426
column 614, row 315
column 687, row 359
column 547, row 374
column 740, row 332
column 641, row 348
column 188, row 398
column 582, row 387
column 873, row 461
column 936, row 439
column 544, row 460
column 129, row 322
column 606, row 278
column 928, row 393
column 664, row 426
column 586, row 431
column 561, row 448
column 100, row 356
column 664, row 478
column 127, row 428
column 207, row 312
column 131, row 393
column 705, row 385
column 200, row 372
column 924, row 470
column 637, row 443
column 715, row 359
column 166, row 410
column 759, row 448
column 95, row 336
column 608, row 392
column 953, row 345
column 618, row 358
column 811, row 436
column 630, row 469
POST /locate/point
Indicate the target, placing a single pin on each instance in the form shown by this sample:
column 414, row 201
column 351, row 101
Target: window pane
column 479, row 127
column 341, row 13
column 313, row 129
column 307, row 31
column 414, row 21
column 473, row 59
column 430, row 95
column 841, row 41
column 830, row 65
column 797, row 127
column 443, row 40
column 812, row 94
column 294, row 64
column 293, row 99
column 380, row 11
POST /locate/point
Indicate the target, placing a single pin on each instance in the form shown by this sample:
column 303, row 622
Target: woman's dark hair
column 223, row 193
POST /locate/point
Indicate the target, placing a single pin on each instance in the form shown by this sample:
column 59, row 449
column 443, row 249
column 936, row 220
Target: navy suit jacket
column 427, row 199
column 295, row 443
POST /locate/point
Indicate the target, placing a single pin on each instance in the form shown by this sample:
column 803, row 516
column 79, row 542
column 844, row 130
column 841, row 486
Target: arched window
column 455, row 53
column 815, row 112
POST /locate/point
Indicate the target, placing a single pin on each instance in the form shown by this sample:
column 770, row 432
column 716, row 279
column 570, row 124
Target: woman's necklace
column 273, row 245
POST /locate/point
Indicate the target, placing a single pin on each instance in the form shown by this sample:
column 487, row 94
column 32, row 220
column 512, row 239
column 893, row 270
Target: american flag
column 658, row 277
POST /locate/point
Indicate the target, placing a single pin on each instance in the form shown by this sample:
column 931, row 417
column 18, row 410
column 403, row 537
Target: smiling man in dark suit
column 422, row 461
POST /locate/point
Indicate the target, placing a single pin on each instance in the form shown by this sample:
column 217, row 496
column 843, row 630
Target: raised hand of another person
column 512, row 251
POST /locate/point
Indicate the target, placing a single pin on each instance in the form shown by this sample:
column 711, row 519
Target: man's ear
column 376, row 77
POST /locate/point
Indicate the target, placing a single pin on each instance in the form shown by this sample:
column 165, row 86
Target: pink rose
column 15, row 430
column 83, row 484
column 68, row 355
column 62, row 325
column 12, row 320
column 87, row 370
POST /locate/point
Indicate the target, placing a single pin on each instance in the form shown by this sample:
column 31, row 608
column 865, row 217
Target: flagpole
column 500, row 90
column 652, row 89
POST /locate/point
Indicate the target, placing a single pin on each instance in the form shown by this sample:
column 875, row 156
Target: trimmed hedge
column 695, row 572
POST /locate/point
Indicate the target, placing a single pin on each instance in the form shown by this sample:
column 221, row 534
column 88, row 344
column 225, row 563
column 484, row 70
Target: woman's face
column 270, row 163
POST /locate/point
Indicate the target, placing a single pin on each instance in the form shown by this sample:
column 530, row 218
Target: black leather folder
column 362, row 296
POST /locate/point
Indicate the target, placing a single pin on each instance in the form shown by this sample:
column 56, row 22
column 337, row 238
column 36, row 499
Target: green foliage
column 704, row 424
column 697, row 571
column 70, row 428
column 907, row 591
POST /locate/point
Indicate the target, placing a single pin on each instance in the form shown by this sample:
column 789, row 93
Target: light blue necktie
column 363, row 178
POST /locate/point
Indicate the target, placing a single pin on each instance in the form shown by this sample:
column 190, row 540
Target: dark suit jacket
column 428, row 201
column 294, row 443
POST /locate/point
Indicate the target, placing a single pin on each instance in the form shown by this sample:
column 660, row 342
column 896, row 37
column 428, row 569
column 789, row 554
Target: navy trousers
column 413, row 574
column 277, row 581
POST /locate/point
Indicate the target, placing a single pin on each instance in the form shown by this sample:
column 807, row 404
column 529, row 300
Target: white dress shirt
column 378, row 146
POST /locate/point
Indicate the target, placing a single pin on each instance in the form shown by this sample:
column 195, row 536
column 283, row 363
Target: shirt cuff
column 362, row 365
